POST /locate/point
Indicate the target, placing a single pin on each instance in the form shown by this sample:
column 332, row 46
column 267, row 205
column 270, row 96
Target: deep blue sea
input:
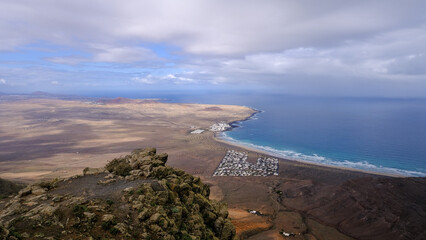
column 382, row 135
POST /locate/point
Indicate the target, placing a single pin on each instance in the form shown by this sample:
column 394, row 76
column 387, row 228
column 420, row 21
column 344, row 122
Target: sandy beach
column 53, row 138
column 218, row 138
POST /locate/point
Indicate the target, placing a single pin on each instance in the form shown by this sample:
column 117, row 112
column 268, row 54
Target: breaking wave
column 314, row 158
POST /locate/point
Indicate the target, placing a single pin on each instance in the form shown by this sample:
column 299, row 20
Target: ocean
column 373, row 134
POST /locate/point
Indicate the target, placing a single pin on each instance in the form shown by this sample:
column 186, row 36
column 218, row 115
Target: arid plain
column 55, row 138
column 44, row 138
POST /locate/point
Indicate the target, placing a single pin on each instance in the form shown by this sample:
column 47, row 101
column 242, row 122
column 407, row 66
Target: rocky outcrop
column 135, row 197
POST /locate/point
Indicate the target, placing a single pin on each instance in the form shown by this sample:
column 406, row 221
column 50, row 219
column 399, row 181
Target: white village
column 235, row 164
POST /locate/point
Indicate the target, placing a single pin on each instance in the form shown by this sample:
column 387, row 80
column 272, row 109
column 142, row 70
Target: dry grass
column 245, row 222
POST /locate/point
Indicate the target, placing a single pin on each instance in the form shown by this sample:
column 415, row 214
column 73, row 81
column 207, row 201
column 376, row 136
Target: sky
column 305, row 47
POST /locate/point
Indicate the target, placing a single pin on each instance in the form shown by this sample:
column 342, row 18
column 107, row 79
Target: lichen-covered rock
column 143, row 215
column 108, row 217
column 121, row 227
column 150, row 151
column 88, row 171
column 24, row 192
column 228, row 230
column 37, row 190
column 140, row 198
column 90, row 216
column 107, row 181
column 163, row 157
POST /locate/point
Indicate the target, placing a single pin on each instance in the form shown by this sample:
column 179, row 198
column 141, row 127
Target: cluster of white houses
column 219, row 127
column 235, row 164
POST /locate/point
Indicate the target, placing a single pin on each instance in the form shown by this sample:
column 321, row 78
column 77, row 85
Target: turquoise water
column 370, row 134
column 382, row 135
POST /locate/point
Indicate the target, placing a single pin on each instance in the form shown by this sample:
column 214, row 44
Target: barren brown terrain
column 47, row 138
column 51, row 138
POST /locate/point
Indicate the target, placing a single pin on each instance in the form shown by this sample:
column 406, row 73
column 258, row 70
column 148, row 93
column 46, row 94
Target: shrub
column 114, row 231
column 108, row 225
column 79, row 210
column 175, row 210
column 109, row 202
column 119, row 166
column 186, row 237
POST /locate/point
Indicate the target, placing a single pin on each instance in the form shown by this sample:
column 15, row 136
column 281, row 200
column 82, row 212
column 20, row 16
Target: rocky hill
column 134, row 197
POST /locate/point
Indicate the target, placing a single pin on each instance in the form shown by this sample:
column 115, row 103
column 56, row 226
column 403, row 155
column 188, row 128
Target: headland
column 45, row 138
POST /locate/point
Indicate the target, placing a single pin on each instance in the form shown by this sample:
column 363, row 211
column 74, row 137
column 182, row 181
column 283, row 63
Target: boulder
column 128, row 190
column 24, row 192
column 90, row 216
column 137, row 206
column 121, row 227
column 89, row 171
column 143, row 215
column 209, row 217
column 107, row 181
column 154, row 218
column 37, row 190
column 222, row 209
column 218, row 225
column 108, row 218
column 162, row 157
column 136, row 172
column 228, row 230
column 150, row 151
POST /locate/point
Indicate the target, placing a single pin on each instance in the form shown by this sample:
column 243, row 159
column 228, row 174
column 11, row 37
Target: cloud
column 2, row 81
column 124, row 54
column 111, row 54
column 180, row 79
column 149, row 79
column 208, row 27
column 394, row 55
column 67, row 60
column 282, row 44
column 176, row 79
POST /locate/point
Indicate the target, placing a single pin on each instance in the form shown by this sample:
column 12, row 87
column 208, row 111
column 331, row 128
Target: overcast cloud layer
column 343, row 48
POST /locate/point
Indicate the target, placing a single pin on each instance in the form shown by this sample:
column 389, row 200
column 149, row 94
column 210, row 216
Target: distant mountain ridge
column 122, row 100
column 101, row 100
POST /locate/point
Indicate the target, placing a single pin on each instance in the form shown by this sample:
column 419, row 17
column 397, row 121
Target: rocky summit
column 135, row 197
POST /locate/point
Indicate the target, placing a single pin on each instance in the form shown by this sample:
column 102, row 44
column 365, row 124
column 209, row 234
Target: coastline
column 99, row 133
column 234, row 124
column 77, row 134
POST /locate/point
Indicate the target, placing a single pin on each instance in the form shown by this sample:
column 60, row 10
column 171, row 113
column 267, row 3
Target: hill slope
column 7, row 188
column 366, row 208
column 138, row 197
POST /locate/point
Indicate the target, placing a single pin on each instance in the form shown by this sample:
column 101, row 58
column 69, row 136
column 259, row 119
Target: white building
column 219, row 127
column 198, row 131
